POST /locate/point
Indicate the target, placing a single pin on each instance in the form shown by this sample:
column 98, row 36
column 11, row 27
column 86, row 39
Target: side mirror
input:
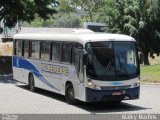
column 1, row 30
column 85, row 59
column 139, row 49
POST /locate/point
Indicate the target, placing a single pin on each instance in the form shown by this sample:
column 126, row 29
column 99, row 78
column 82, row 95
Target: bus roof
column 81, row 37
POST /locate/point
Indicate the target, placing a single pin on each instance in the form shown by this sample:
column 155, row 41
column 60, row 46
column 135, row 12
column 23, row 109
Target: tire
column 69, row 94
column 31, row 83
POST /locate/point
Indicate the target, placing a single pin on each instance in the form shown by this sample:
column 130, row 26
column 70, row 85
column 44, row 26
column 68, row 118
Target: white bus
column 89, row 66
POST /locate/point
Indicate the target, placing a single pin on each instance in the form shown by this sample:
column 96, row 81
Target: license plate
column 116, row 93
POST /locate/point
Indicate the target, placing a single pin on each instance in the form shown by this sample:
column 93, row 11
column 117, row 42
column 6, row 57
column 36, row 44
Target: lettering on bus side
column 54, row 69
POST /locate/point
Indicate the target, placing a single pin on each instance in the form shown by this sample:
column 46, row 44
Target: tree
column 67, row 16
column 149, row 30
column 67, row 21
column 12, row 11
column 87, row 8
column 137, row 18
column 65, row 6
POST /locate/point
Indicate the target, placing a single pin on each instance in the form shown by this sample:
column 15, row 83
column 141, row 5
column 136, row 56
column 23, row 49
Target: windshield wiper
column 107, row 68
column 121, row 63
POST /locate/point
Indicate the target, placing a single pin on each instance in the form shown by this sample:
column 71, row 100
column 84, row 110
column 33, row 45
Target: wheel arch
column 68, row 82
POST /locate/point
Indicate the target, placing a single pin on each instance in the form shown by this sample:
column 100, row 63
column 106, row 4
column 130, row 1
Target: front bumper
column 93, row 95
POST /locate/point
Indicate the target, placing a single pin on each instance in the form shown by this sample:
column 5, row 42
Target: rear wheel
column 31, row 83
column 69, row 94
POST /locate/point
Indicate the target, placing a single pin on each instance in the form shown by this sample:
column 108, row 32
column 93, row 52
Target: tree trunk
column 146, row 60
column 90, row 16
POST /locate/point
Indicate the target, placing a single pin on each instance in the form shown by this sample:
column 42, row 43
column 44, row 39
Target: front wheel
column 69, row 94
column 31, row 83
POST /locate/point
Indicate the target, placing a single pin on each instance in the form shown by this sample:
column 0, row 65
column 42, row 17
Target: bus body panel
column 46, row 79
column 104, row 89
column 130, row 82
column 107, row 95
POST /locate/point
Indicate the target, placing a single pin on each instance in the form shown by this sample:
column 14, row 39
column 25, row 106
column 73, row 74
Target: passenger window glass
column 19, row 47
column 15, row 47
column 66, row 52
column 73, row 54
column 26, row 48
column 56, row 51
column 75, row 47
column 35, row 49
column 45, row 50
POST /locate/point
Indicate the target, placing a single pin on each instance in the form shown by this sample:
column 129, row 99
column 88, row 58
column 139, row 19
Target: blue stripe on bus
column 25, row 64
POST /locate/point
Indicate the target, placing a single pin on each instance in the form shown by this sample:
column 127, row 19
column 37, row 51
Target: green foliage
column 65, row 6
column 67, row 21
column 87, row 8
column 138, row 18
column 24, row 10
column 60, row 20
column 66, row 17
column 37, row 22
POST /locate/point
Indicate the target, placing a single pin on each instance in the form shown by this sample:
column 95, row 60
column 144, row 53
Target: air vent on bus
column 115, row 87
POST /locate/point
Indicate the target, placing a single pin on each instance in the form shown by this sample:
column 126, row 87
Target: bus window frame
column 17, row 48
column 14, row 46
column 31, row 57
column 40, row 58
column 28, row 48
column 60, row 52
column 68, row 63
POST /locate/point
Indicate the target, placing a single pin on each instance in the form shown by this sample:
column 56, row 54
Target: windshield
column 112, row 61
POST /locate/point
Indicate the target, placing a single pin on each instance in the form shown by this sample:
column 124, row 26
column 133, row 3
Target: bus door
column 79, row 65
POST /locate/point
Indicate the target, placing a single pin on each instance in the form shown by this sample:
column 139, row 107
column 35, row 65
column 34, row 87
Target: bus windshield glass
column 112, row 61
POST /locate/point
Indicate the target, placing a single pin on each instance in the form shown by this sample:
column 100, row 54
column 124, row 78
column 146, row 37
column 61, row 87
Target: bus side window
column 66, row 52
column 76, row 46
column 77, row 63
column 73, row 54
column 56, row 51
column 35, row 48
column 26, row 48
column 45, row 50
column 19, row 47
column 15, row 47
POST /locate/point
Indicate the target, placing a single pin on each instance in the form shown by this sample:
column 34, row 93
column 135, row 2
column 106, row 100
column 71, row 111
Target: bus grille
column 115, row 87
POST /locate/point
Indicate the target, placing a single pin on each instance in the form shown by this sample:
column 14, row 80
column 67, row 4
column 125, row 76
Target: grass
column 150, row 73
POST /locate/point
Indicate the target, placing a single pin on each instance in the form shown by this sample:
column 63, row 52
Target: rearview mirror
column 84, row 57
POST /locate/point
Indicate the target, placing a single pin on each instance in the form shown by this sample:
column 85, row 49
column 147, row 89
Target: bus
column 89, row 67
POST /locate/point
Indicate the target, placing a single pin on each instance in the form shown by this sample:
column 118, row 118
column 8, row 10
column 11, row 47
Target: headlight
column 135, row 84
column 90, row 84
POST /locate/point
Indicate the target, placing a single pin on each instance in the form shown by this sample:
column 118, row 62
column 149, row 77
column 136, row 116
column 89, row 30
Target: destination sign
column 54, row 69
